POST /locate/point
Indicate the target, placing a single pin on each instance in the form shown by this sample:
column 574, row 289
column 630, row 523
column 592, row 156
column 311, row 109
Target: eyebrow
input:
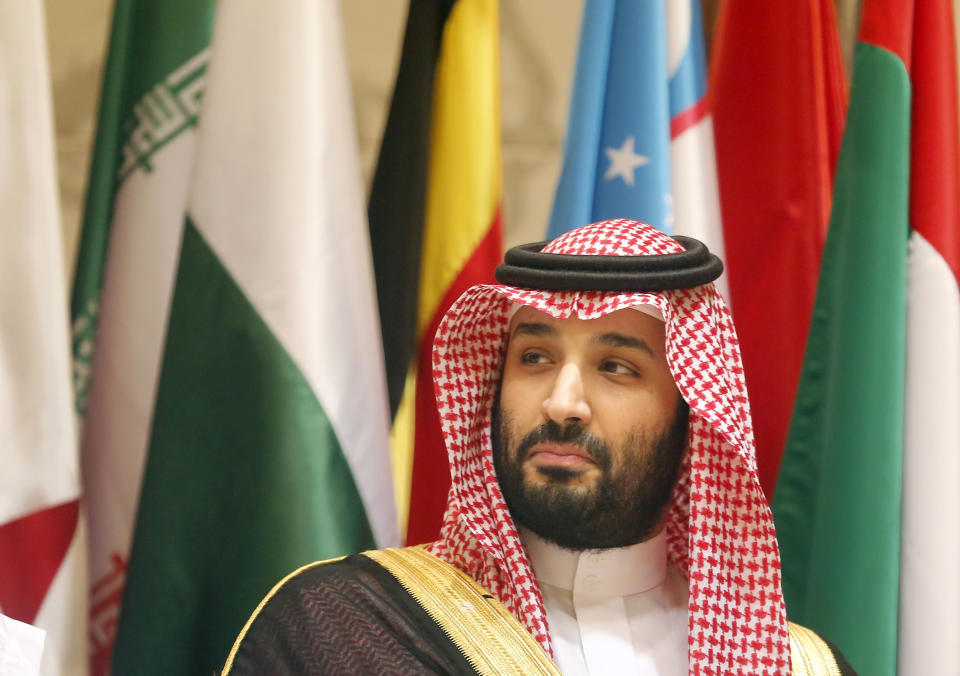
column 614, row 339
column 535, row 329
column 610, row 339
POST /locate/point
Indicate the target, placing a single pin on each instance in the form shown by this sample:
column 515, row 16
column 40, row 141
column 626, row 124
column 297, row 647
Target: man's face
column 589, row 428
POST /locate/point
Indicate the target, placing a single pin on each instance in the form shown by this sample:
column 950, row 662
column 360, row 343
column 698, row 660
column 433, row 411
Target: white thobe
column 613, row 611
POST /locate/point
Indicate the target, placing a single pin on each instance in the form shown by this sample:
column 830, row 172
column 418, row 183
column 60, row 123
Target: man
column 604, row 514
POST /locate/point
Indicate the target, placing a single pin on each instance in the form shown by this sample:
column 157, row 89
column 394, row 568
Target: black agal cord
column 526, row 267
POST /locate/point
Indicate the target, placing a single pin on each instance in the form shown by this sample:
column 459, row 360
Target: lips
column 551, row 453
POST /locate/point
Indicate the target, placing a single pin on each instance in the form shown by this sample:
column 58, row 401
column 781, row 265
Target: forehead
column 627, row 322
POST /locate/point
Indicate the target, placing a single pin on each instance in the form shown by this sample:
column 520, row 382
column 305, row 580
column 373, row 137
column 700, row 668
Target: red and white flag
column 42, row 554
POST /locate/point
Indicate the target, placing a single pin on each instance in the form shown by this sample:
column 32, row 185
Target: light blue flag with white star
column 639, row 137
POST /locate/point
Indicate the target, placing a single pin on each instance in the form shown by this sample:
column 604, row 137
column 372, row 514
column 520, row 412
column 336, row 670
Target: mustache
column 571, row 434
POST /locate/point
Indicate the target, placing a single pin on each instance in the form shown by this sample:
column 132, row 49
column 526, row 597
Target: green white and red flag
column 143, row 153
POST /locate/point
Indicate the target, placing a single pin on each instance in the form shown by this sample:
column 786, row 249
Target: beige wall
column 76, row 38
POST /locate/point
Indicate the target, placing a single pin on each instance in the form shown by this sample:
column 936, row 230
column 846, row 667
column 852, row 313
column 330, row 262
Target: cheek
column 648, row 411
column 519, row 398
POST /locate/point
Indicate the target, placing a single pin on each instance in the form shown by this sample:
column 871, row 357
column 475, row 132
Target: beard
column 622, row 508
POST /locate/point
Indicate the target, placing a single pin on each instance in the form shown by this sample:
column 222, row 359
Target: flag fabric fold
column 778, row 97
column 838, row 500
column 398, row 194
column 929, row 619
column 440, row 168
column 268, row 429
column 133, row 217
column 42, row 540
column 639, row 140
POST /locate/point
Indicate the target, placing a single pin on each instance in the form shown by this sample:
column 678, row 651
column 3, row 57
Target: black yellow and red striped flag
column 435, row 223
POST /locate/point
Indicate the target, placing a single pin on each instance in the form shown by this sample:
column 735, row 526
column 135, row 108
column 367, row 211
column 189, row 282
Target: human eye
column 618, row 368
column 533, row 357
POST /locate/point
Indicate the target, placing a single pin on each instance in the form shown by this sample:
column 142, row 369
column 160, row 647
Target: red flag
column 779, row 100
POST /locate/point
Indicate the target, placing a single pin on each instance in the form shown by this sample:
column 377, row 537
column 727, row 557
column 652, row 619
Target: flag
column 42, row 543
column 435, row 223
column 778, row 99
column 133, row 217
column 639, row 136
column 930, row 541
column 269, row 442
column 838, row 499
column 398, row 194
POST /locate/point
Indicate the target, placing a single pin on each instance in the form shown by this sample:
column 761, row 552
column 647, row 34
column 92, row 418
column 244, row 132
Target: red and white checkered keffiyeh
column 719, row 531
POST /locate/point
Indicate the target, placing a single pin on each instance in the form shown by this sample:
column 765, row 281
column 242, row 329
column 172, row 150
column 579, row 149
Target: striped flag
column 779, row 99
column 640, row 137
column 143, row 152
column 42, row 543
column 269, row 442
column 435, row 223
column 929, row 617
column 838, row 500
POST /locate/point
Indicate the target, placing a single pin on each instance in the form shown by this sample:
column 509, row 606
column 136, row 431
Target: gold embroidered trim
column 266, row 599
column 488, row 635
column 809, row 654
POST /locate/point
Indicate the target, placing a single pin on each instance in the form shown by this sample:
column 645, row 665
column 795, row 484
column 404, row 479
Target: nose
column 567, row 401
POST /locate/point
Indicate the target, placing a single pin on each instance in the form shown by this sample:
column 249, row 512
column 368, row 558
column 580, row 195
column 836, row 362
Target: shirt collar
column 605, row 573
